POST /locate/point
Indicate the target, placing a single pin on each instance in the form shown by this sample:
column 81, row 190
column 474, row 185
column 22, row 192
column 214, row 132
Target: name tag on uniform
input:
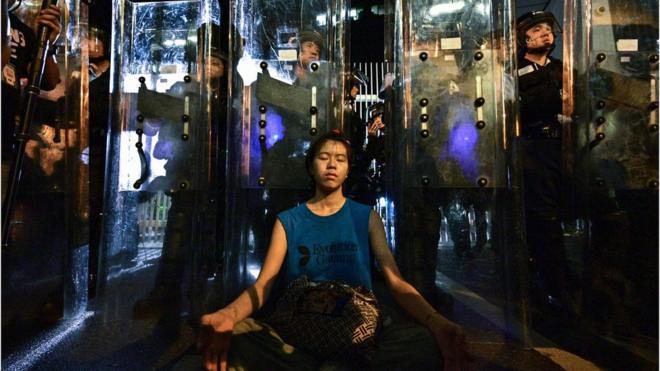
column 525, row 70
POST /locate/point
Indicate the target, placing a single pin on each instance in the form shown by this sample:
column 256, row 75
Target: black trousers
column 542, row 187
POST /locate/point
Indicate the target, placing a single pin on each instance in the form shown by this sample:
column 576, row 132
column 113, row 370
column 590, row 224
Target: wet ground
column 112, row 339
column 479, row 296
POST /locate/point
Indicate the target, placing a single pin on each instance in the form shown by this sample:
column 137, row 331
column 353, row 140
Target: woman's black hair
column 334, row 135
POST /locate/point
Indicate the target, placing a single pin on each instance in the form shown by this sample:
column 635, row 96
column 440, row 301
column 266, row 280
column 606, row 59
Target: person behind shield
column 18, row 51
column 310, row 46
column 540, row 90
column 366, row 180
column 187, row 205
column 99, row 111
column 356, row 132
column 287, row 188
column 355, row 129
column 231, row 339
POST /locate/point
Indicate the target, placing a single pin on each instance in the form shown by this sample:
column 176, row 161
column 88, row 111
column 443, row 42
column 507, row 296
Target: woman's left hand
column 451, row 341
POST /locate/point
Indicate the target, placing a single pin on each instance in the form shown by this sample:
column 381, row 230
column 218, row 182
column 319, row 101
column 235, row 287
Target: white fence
column 368, row 95
column 152, row 220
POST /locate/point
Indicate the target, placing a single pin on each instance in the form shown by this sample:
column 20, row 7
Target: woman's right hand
column 452, row 343
column 215, row 337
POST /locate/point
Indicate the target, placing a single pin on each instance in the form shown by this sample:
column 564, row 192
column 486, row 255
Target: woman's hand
column 50, row 17
column 451, row 341
column 215, row 337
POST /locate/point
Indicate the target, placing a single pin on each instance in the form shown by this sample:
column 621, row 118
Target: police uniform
column 191, row 207
column 540, row 92
column 540, row 89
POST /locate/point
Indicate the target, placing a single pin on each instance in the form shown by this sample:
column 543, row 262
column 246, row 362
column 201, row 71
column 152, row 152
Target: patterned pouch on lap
column 328, row 319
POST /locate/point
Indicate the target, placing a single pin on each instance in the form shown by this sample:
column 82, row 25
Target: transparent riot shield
column 453, row 178
column 158, row 238
column 613, row 168
column 621, row 63
column 287, row 77
column 47, row 253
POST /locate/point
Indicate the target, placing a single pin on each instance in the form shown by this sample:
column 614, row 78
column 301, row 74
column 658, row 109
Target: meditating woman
column 329, row 238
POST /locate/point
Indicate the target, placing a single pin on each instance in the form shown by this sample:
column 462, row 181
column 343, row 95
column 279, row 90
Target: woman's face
column 330, row 166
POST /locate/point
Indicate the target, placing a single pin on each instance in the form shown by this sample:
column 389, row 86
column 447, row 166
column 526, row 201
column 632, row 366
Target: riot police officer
column 310, row 46
column 286, row 152
column 366, row 177
column 356, row 130
column 540, row 94
column 283, row 162
column 187, row 200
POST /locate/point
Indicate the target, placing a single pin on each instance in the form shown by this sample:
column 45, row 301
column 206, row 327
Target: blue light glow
column 275, row 130
column 462, row 142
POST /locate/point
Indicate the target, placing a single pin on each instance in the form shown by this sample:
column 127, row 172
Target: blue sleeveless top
column 333, row 247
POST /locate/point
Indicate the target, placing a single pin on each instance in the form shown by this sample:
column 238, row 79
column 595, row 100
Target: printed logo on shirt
column 335, row 253
column 304, row 259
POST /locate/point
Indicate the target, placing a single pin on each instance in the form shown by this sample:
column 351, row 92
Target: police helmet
column 217, row 46
column 310, row 35
column 219, row 52
column 13, row 5
column 531, row 19
column 97, row 35
column 376, row 110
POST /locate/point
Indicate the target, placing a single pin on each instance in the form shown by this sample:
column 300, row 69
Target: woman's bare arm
column 448, row 335
column 217, row 327
column 254, row 296
column 404, row 293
